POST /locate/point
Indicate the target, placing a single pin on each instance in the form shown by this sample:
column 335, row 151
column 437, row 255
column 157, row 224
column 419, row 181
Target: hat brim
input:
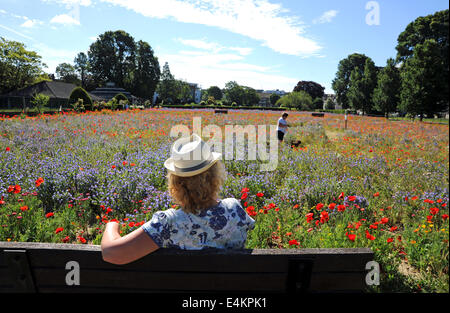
column 170, row 166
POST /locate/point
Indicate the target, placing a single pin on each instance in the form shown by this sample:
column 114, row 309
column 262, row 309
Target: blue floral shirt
column 223, row 226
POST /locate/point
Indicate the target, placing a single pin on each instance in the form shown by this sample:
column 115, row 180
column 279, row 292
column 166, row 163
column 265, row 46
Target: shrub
column 121, row 97
column 329, row 104
column 317, row 103
column 80, row 93
column 78, row 106
column 300, row 100
column 40, row 101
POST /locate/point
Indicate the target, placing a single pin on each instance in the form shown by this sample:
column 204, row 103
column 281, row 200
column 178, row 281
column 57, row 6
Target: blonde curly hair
column 198, row 192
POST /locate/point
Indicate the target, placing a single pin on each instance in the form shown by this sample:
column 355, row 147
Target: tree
column 183, row 93
column 66, row 73
column 300, row 100
column 386, row 95
column 82, row 66
column 421, row 87
column 430, row 27
column 250, row 96
column 274, row 98
column 116, row 57
column 167, row 86
column 360, row 91
column 341, row 83
column 19, row 67
column 215, row 92
column 234, row 92
column 314, row 89
column 329, row 104
column 147, row 72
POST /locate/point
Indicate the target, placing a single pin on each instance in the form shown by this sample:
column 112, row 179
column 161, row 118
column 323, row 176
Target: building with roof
column 59, row 93
column 110, row 91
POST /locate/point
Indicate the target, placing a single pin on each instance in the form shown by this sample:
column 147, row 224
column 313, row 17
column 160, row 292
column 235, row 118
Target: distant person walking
column 282, row 126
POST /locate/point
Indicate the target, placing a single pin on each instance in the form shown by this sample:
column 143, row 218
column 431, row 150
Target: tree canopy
column 19, row 67
column 116, row 57
column 315, row 90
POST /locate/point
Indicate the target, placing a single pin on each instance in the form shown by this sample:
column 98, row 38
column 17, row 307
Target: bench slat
column 337, row 282
column 165, row 280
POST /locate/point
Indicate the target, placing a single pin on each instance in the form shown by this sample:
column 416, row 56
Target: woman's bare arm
column 126, row 249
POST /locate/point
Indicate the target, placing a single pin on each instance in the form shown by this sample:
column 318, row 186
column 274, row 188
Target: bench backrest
column 42, row 267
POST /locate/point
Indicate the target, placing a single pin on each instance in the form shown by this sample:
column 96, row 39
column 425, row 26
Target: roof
column 53, row 89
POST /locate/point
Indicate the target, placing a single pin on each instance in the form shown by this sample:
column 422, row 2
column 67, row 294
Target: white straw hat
column 191, row 156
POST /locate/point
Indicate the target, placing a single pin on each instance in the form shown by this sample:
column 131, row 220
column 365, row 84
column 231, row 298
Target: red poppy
column 288, row 234
column 319, row 206
column 351, row 198
column 341, row 196
column 50, row 214
column 341, row 208
column 24, row 208
column 331, row 206
column 260, row 194
column 351, row 237
column 324, row 217
column 393, row 228
column 428, row 201
column 245, row 190
column 2, row 201
column 389, row 240
column 309, row 217
column 384, row 220
column 113, row 167
column 244, row 196
column 414, row 198
column 8, row 149
column 294, row 242
column 434, row 211
column 39, row 181
column 82, row 240
column 376, row 194
column 444, row 216
column 124, row 163
column 131, row 224
column 245, row 203
column 58, row 230
column 369, row 236
column 66, row 239
column 296, row 206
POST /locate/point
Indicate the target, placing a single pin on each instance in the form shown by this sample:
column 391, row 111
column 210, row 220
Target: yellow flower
column 413, row 241
column 9, row 239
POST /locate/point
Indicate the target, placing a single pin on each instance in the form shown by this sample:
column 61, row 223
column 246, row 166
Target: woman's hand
column 126, row 249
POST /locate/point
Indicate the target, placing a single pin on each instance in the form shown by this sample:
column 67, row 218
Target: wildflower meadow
column 379, row 183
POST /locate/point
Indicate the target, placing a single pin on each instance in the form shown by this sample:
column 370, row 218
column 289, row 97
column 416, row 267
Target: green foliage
column 78, row 106
column 80, row 93
column 82, row 67
column 215, row 92
column 274, row 98
column 341, row 83
column 329, row 104
column 317, row 104
column 19, row 67
column 299, row 100
column 167, row 86
column 314, row 89
column 39, row 101
column 66, row 72
column 116, row 57
column 421, row 88
column 361, row 86
column 121, row 97
column 425, row 29
column 387, row 93
column 241, row 95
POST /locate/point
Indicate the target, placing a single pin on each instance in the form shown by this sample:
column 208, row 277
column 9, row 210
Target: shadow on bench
column 43, row 268
column 318, row 114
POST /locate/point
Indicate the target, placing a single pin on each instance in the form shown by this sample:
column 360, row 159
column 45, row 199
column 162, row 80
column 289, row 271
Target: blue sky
column 264, row 44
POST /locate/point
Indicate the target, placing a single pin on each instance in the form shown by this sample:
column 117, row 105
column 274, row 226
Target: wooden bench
column 41, row 268
column 220, row 111
column 318, row 114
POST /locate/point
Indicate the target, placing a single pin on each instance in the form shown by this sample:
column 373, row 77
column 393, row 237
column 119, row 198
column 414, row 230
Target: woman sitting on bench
column 195, row 176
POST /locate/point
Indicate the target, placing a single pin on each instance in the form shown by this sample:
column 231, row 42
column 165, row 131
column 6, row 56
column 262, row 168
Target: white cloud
column 326, row 17
column 31, row 23
column 64, row 19
column 213, row 46
column 260, row 20
column 54, row 56
column 216, row 69
column 16, row 32
column 71, row 3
